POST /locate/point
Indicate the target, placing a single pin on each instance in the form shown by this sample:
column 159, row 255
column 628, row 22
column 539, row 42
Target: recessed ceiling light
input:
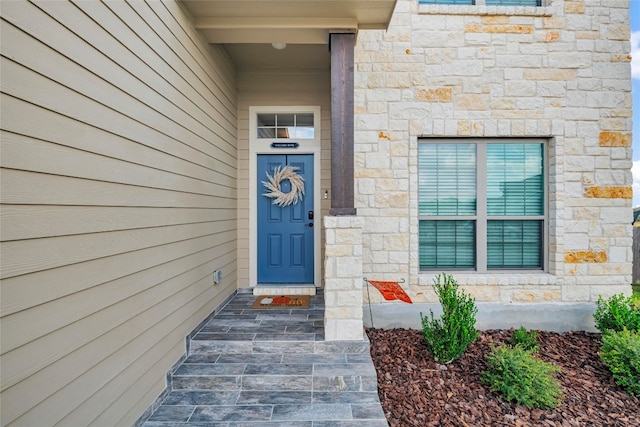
column 279, row 46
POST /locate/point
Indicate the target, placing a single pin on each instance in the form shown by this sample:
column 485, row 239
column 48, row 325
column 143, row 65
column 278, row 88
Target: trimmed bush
column 635, row 297
column 447, row 338
column 617, row 313
column 517, row 375
column 621, row 353
column 525, row 339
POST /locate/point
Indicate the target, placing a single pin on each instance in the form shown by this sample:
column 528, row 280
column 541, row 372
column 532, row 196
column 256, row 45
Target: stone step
column 204, row 347
column 315, row 383
column 342, row 378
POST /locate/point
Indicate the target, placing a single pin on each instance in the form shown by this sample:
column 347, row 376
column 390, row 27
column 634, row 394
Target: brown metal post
column 341, row 46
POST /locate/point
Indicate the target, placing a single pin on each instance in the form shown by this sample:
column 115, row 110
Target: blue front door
column 285, row 234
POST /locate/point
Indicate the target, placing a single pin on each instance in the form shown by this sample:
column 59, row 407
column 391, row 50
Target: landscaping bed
column 417, row 391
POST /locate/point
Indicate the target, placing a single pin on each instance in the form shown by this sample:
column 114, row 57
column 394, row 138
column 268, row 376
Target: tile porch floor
column 272, row 368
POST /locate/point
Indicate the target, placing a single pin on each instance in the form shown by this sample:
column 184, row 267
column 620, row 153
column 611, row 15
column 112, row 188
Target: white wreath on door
column 275, row 192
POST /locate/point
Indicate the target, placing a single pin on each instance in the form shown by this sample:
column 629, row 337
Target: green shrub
column 447, row 338
column 621, row 353
column 635, row 297
column 525, row 339
column 617, row 313
column 517, row 375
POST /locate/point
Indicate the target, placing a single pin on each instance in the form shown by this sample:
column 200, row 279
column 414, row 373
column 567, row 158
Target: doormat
column 283, row 301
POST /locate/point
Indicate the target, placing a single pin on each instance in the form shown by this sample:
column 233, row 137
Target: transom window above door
column 285, row 126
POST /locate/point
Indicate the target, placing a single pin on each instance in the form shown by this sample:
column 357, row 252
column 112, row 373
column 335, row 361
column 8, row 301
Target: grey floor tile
column 231, row 305
column 355, row 423
column 275, row 329
column 346, row 397
column 231, row 314
column 240, row 301
column 277, row 382
column 283, row 347
column 235, row 311
column 305, row 329
column 172, row 413
column 266, row 358
column 342, row 347
column 271, row 312
column 209, row 369
column 288, row 323
column 273, row 424
column 330, row 411
column 202, row 358
column 194, row 398
column 225, row 337
column 359, row 358
column 274, row 397
column 344, row 369
column 314, row 358
column 169, row 424
column 226, row 323
column 278, row 369
column 232, row 413
column 209, row 347
column 215, row 328
column 207, row 383
column 367, row 411
column 285, row 337
column 282, row 316
column 344, row 383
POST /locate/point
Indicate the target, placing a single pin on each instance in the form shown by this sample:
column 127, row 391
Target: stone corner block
column 343, row 329
column 343, row 221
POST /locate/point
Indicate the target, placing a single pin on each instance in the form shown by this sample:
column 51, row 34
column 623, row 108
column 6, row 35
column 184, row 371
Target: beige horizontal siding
column 22, row 187
column 45, row 318
column 35, row 221
column 24, row 291
column 138, row 291
column 24, row 153
column 149, row 149
column 118, row 191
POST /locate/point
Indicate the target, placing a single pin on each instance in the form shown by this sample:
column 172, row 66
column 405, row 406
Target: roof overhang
column 286, row 21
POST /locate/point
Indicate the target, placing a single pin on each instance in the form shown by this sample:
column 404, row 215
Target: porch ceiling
column 285, row 21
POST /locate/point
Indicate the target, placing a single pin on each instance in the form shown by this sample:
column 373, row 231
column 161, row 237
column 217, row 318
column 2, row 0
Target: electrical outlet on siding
column 217, row 276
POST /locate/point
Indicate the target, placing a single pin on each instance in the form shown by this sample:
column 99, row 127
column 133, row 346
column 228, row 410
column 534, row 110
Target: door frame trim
column 263, row 146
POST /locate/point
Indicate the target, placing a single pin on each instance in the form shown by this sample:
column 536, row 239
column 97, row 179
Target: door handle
column 310, row 224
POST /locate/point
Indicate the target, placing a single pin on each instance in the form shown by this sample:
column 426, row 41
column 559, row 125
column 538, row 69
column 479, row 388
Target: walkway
column 272, row 368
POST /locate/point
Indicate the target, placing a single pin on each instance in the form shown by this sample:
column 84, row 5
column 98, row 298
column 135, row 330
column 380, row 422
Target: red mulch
column 417, row 391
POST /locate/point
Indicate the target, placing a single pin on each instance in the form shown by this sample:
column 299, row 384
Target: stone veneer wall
column 343, row 278
column 560, row 72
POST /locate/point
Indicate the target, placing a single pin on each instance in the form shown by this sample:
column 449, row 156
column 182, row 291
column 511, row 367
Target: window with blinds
column 485, row 2
column 513, row 2
column 481, row 204
column 460, row 2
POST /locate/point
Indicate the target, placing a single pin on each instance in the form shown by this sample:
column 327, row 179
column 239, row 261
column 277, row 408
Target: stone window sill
column 484, row 279
column 437, row 9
